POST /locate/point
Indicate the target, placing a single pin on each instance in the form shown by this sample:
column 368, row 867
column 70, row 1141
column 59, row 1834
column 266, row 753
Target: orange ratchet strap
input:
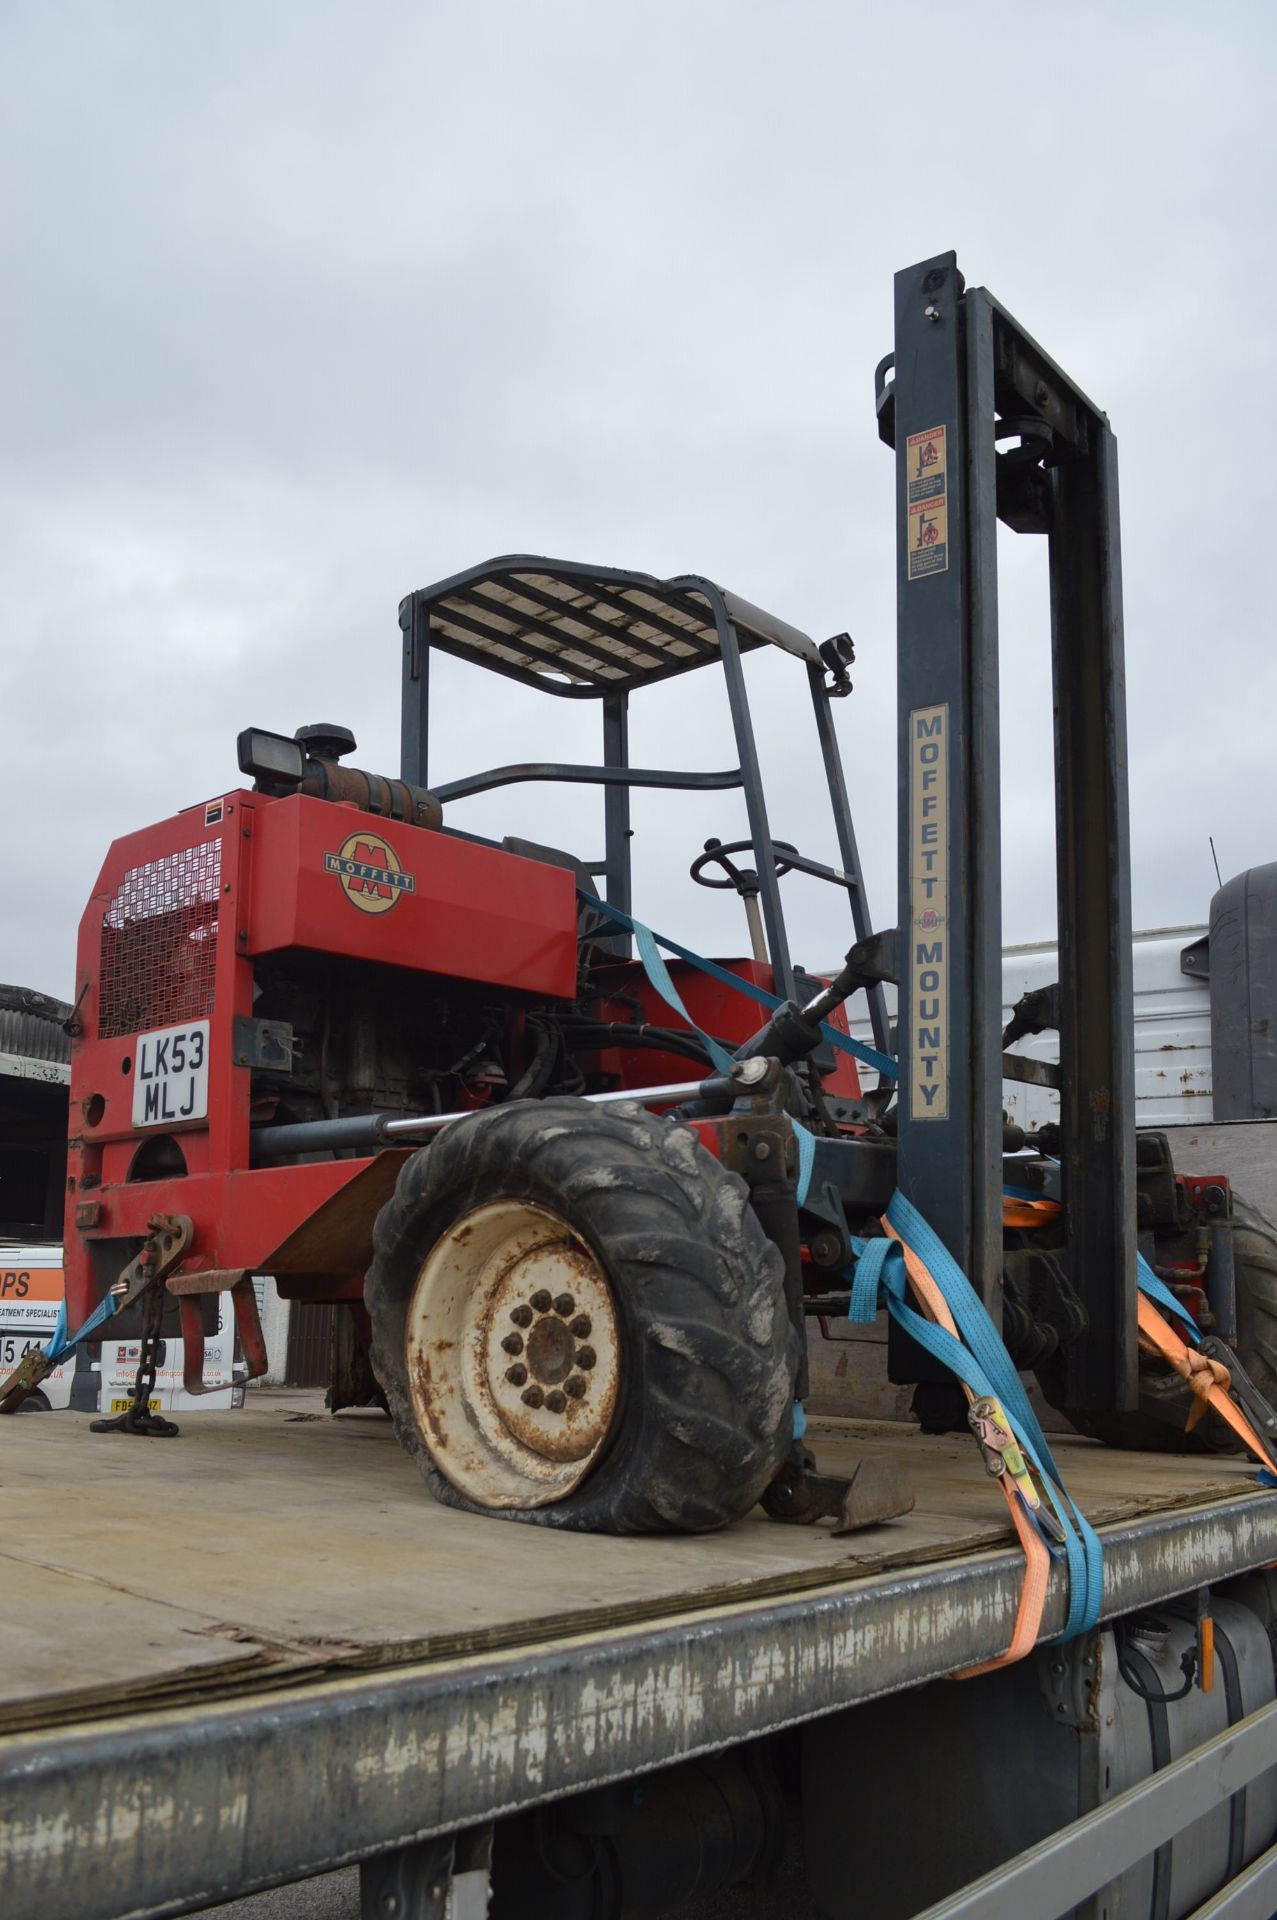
column 1037, row 1558
column 1209, row 1379
column 1029, row 1213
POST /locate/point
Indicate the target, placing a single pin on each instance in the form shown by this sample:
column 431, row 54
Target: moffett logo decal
column 928, row 976
column 369, row 871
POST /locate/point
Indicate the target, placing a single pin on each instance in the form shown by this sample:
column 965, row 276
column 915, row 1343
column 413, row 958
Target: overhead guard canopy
column 582, row 631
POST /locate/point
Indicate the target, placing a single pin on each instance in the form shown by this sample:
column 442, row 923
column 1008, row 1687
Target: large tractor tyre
column 1165, row 1400
column 578, row 1321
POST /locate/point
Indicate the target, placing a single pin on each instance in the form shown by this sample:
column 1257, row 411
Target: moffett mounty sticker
column 371, row 873
column 928, row 502
column 929, row 914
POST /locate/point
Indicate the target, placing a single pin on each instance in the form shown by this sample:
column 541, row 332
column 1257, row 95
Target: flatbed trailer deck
column 265, row 1652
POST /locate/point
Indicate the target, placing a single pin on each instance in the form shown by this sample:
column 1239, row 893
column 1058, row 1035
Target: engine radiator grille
column 159, row 943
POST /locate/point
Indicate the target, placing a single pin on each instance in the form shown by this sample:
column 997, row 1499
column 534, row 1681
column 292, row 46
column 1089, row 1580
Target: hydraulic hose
column 620, row 1033
column 538, row 1070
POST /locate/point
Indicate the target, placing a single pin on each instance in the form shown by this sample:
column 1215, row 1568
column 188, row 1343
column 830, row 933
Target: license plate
column 122, row 1406
column 14, row 1346
column 170, row 1076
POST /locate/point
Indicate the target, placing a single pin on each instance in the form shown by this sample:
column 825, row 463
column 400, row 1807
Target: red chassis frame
column 180, row 913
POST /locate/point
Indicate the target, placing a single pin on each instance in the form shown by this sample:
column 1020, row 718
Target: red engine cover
column 332, row 879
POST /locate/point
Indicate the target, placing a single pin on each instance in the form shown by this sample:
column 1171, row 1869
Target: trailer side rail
column 154, row 1813
column 1050, row 1879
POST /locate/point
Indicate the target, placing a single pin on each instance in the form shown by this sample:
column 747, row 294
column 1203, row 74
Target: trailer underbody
column 207, row 1693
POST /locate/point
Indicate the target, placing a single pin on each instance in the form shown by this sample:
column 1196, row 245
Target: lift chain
column 143, row 1278
column 138, row 1417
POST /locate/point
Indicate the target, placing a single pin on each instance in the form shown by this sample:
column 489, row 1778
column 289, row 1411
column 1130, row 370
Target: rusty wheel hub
column 513, row 1356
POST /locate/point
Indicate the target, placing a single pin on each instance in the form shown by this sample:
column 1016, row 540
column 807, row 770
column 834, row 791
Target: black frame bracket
column 968, row 380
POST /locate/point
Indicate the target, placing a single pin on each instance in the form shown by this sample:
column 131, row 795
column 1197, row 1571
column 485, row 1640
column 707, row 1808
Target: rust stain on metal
column 426, row 1401
column 513, row 1434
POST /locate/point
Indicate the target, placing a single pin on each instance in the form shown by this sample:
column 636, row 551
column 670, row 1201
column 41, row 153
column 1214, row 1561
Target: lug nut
column 532, row 1396
column 826, row 1249
column 541, row 1300
column 586, row 1357
column 513, row 1343
column 564, row 1304
column 522, row 1316
column 575, row 1386
column 554, row 1402
column 516, row 1374
column 580, row 1327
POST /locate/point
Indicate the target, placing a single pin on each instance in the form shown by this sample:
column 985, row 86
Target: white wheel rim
column 513, row 1356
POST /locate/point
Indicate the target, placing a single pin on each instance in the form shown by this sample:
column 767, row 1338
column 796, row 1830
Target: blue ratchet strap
column 881, row 1276
column 981, row 1362
column 58, row 1341
column 62, row 1343
column 659, row 977
column 985, row 1342
column 1158, row 1291
column 806, row 1158
column 647, row 942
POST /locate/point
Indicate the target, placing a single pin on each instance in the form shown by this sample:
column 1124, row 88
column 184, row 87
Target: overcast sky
column 306, row 305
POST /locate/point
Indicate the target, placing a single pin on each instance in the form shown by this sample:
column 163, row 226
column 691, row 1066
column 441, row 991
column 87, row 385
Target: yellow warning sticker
column 928, row 479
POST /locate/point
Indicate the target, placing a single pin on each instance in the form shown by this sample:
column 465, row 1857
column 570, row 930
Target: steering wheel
column 743, row 880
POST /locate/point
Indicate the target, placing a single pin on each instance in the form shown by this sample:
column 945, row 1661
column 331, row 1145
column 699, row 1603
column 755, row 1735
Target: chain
column 137, row 1417
column 144, row 1384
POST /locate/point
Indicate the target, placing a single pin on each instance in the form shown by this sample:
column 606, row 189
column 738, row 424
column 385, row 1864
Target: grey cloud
column 309, row 305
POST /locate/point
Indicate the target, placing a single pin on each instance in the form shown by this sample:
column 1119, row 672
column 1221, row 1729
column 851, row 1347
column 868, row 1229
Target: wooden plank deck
column 261, row 1549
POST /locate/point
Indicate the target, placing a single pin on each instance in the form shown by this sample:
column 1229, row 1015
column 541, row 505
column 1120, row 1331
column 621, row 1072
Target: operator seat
column 589, row 924
column 553, row 857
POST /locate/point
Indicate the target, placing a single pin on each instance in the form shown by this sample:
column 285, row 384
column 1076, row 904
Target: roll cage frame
column 583, row 632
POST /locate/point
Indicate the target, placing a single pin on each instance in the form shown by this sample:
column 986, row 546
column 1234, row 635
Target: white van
column 1172, row 1030
column 31, row 1290
column 31, row 1295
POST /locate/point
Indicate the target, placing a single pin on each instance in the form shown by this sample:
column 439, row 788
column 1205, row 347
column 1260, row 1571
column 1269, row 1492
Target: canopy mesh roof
column 584, row 631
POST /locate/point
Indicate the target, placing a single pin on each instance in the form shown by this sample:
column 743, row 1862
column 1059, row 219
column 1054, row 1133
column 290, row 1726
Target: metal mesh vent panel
column 159, row 943
column 592, row 636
